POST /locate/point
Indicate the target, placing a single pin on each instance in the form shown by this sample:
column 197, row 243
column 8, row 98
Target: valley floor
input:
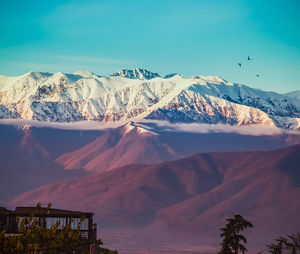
column 126, row 243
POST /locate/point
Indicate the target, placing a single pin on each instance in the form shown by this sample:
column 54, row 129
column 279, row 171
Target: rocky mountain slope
column 139, row 93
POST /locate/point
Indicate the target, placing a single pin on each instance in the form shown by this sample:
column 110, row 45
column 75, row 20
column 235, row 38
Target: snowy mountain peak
column 130, row 126
column 294, row 94
column 36, row 75
column 171, row 75
column 215, row 79
column 86, row 74
column 61, row 97
column 137, row 73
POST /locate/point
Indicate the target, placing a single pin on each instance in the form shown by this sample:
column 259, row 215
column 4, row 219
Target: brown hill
column 149, row 143
column 192, row 196
column 118, row 147
column 27, row 157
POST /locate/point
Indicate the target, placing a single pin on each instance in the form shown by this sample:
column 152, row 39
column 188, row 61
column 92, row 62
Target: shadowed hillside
column 192, row 196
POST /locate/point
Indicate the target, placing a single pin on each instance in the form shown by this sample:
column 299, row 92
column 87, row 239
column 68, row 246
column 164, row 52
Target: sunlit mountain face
column 139, row 93
column 187, row 199
column 161, row 161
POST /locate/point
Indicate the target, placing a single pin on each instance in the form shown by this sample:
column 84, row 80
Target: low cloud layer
column 81, row 125
column 154, row 125
column 255, row 130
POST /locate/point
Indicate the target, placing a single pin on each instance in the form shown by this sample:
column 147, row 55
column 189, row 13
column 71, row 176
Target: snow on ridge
column 293, row 94
column 171, row 75
column 215, row 79
column 131, row 126
column 139, row 73
column 86, row 74
column 128, row 127
column 139, row 93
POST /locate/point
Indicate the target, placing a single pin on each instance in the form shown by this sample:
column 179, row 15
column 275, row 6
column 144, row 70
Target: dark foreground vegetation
column 233, row 241
column 35, row 238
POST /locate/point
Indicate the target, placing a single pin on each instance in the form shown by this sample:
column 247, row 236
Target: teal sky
column 191, row 37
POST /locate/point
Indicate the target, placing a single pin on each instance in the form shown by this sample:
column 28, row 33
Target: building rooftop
column 27, row 211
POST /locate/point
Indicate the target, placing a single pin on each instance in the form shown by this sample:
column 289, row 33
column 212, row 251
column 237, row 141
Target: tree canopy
column 232, row 238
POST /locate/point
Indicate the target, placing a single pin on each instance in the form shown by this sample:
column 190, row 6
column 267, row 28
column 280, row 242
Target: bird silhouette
column 250, row 58
column 257, row 75
column 240, row 64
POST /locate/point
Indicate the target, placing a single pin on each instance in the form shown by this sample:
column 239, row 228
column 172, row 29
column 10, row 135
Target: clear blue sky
column 191, row 37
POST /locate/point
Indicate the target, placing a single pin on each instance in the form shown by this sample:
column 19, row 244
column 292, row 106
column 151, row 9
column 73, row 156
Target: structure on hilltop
column 48, row 217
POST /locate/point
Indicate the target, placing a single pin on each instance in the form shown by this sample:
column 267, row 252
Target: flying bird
column 250, row 58
column 257, row 75
column 240, row 64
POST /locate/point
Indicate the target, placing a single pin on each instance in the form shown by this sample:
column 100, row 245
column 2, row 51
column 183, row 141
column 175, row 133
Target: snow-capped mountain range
column 294, row 94
column 138, row 94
